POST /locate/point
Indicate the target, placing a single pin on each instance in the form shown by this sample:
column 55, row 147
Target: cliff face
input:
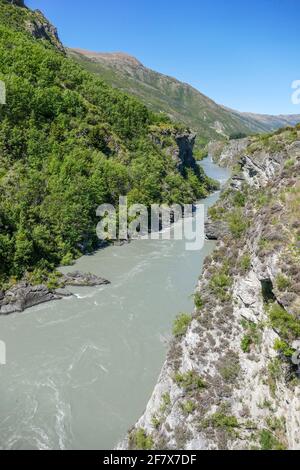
column 178, row 143
column 231, row 378
column 40, row 28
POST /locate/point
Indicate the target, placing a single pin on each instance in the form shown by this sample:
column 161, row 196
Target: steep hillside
column 68, row 143
column 231, row 379
column 179, row 100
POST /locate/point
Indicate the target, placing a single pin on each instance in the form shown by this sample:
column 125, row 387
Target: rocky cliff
column 33, row 22
column 178, row 143
column 231, row 378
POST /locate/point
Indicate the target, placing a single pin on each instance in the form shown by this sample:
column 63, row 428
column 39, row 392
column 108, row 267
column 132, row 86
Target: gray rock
column 23, row 296
column 83, row 279
column 214, row 230
column 63, row 292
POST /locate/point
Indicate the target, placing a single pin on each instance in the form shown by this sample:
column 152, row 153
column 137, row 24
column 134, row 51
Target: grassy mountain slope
column 179, row 100
column 68, row 143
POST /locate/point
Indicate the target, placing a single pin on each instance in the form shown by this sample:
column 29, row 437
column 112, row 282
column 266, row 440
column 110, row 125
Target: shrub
column 216, row 212
column 286, row 324
column 67, row 260
column 54, row 280
column 283, row 348
column 252, row 335
column 181, row 324
column 166, row 402
column 237, row 224
column 190, row 381
column 220, row 284
column 282, row 282
column 246, row 263
column 268, row 441
column 198, row 301
column 289, row 163
column 155, row 422
column 274, row 374
column 188, row 407
column 222, row 420
column 246, row 343
column 239, row 199
column 140, row 440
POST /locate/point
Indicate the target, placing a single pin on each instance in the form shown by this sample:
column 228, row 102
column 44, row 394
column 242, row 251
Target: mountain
column 69, row 143
column 231, row 377
column 274, row 122
column 179, row 100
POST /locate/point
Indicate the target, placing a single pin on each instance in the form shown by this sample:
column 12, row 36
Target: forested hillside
column 69, row 142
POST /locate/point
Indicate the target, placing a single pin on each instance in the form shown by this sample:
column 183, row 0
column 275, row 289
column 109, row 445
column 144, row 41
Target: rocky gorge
column 231, row 378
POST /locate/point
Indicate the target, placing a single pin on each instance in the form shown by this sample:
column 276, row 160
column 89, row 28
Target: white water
column 80, row 371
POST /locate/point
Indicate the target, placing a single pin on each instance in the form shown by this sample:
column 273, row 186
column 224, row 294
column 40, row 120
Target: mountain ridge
column 179, row 100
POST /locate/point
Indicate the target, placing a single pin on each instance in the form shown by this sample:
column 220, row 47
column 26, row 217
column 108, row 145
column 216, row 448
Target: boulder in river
column 83, row 279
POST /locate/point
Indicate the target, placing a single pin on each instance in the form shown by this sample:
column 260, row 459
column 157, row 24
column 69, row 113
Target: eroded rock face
column 249, row 391
column 214, row 230
column 226, row 154
column 40, row 28
column 184, row 155
column 179, row 145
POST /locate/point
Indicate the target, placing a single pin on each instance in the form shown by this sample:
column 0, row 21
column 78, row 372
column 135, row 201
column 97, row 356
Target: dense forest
column 69, row 142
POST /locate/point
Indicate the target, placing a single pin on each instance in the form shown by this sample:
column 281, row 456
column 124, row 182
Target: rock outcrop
column 24, row 295
column 214, row 230
column 179, row 144
column 35, row 23
column 184, row 155
column 83, row 279
column 231, row 378
column 40, row 28
column 226, row 153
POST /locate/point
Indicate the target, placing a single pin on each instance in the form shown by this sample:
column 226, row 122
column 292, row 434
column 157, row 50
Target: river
column 80, row 371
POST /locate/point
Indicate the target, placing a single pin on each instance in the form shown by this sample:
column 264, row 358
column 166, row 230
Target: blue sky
column 241, row 53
